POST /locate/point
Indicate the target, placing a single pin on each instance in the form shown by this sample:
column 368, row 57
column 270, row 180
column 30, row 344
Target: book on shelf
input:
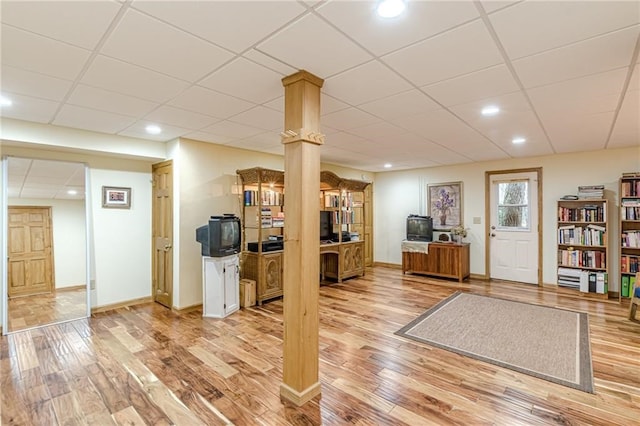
column 624, row 286
column 602, row 283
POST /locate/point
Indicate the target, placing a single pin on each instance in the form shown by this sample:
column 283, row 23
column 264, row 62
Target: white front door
column 513, row 232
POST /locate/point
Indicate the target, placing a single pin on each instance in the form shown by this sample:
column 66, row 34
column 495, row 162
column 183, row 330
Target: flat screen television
column 221, row 236
column 419, row 228
column 326, row 231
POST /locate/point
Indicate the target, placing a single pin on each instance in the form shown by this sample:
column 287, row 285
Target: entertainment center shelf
column 439, row 259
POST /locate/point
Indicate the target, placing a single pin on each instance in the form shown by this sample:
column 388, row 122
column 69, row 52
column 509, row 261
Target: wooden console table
column 342, row 260
column 447, row 260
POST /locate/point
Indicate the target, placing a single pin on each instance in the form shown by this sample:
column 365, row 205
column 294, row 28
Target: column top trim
column 302, row 75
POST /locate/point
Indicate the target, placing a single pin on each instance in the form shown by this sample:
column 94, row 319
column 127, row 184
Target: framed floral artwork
column 444, row 205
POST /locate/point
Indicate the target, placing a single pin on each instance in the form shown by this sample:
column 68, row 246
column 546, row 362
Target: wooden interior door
column 368, row 225
column 162, row 233
column 30, row 263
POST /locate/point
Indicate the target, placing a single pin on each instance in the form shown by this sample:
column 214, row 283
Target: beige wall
column 401, row 193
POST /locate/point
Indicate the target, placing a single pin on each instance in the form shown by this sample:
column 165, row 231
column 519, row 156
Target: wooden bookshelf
column 583, row 246
column 629, row 227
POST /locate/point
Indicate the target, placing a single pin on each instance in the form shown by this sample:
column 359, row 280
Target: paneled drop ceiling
column 406, row 91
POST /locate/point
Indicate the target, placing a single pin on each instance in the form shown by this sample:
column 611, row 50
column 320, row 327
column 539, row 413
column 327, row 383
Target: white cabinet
column 221, row 289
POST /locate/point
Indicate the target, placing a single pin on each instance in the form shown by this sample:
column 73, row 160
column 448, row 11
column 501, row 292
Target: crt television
column 221, row 236
column 419, row 228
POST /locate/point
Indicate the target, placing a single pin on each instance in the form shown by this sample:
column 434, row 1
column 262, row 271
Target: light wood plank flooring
column 148, row 365
column 39, row 309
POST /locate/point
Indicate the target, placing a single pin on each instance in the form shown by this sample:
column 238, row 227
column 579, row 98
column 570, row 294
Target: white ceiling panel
column 137, row 130
column 91, row 119
column 268, row 62
column 580, row 133
column 261, row 117
column 627, row 127
column 34, row 84
column 45, row 56
column 180, row 118
column 127, row 79
column 208, row 137
column 593, row 56
column 258, row 142
column 564, row 22
column 365, row 83
column 494, row 5
column 422, row 19
column 247, row 21
column 30, row 109
column 352, row 143
column 104, row 100
column 402, row 104
column 149, row 43
column 246, row 80
column 232, row 130
column 349, row 118
column 81, row 23
column 380, row 132
column 474, row 50
column 312, row 44
column 210, row 102
column 328, row 104
column 493, row 81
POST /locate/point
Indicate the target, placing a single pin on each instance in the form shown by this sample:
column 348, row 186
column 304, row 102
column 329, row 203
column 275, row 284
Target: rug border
column 586, row 366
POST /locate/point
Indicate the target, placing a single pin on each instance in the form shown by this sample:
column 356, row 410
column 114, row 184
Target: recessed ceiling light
column 72, row 192
column 153, row 129
column 387, row 166
column 5, row 101
column 490, row 110
column 390, row 8
column 518, row 139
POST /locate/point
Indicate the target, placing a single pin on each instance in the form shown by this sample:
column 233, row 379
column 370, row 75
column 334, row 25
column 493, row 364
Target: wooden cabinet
column 629, row 227
column 221, row 291
column 447, row 260
column 583, row 249
column 266, row 270
column 342, row 260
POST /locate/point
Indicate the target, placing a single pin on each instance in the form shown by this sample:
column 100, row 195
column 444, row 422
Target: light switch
column 477, row 220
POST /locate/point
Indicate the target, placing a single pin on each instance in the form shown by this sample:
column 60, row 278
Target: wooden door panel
column 162, row 233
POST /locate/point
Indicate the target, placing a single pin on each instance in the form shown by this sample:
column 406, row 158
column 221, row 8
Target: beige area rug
column 549, row 343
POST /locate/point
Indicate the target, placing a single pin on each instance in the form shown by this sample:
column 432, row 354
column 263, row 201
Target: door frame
column 487, row 214
column 154, row 219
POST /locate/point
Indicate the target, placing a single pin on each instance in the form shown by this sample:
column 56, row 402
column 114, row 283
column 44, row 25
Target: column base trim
column 299, row 398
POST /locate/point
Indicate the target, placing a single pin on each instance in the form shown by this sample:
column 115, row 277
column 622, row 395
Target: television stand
column 439, row 259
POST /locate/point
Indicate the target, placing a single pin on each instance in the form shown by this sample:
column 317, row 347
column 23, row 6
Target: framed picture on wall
column 116, row 197
column 444, row 205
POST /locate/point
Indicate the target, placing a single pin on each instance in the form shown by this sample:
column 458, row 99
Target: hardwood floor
column 148, row 365
column 62, row 305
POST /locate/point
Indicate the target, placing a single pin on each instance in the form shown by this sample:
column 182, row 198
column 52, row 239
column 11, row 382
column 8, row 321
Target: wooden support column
column 302, row 140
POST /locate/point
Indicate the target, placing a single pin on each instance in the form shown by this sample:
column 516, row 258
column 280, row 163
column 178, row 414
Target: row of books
column 583, row 258
column 269, row 220
column 630, row 239
column 343, row 217
column 344, row 201
column 266, row 198
column 626, row 285
column 587, row 213
column 629, row 264
column 591, row 191
column 629, row 213
column 591, row 235
column 585, row 281
column 630, row 188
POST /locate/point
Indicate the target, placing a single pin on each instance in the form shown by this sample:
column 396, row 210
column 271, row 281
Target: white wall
column 69, row 240
column 398, row 194
column 121, row 238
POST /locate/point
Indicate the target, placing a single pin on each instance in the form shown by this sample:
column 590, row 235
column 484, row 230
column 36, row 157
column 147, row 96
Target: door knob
column 493, row 227
column 167, row 247
column 492, row 234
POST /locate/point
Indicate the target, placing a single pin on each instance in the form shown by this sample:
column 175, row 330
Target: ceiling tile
column 580, row 133
column 379, row 132
column 234, row 25
column 493, row 5
column 29, row 109
column 626, row 131
column 232, row 130
column 348, row 119
column 269, row 62
column 328, row 104
column 365, row 83
column 350, row 142
column 210, row 102
column 45, row 56
column 33, row 84
column 127, row 79
column 81, row 23
column 180, row 118
column 246, row 80
column 406, row 103
column 258, row 142
column 90, row 119
column 422, row 19
column 261, row 117
column 208, row 137
column 592, row 56
column 474, row 50
column 585, row 95
column 104, row 100
column 149, row 43
column 564, row 22
column 313, row 45
column 493, row 81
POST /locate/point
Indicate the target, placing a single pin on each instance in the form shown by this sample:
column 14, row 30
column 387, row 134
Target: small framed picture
column 116, row 197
